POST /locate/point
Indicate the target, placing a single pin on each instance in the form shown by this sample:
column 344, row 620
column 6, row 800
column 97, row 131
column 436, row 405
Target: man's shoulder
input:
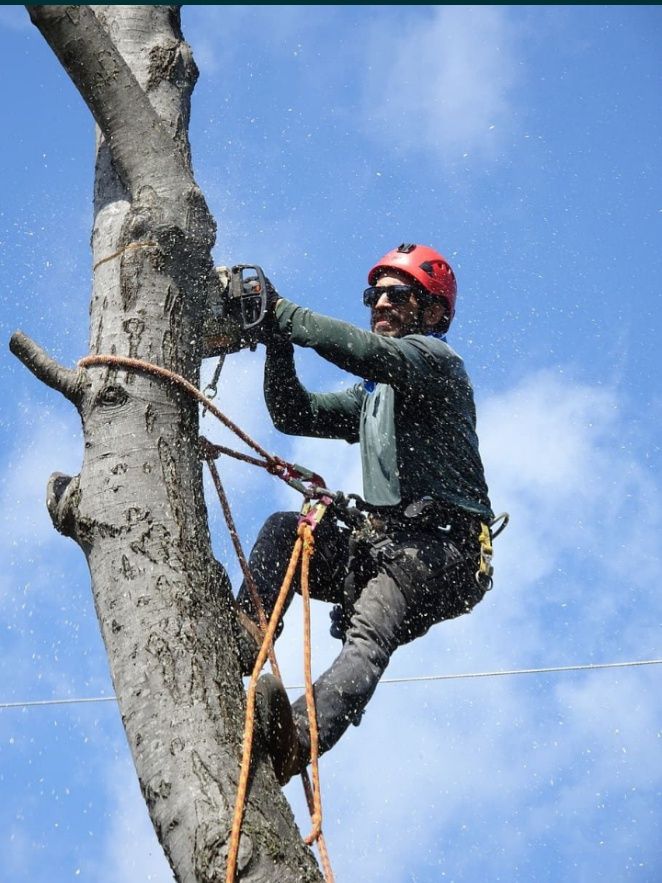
column 431, row 346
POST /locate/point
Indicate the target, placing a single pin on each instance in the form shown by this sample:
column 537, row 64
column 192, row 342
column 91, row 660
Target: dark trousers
column 393, row 581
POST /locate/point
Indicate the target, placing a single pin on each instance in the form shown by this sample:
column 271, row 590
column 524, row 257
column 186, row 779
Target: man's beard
column 413, row 326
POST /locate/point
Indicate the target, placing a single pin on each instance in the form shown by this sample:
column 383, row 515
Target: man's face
column 394, row 320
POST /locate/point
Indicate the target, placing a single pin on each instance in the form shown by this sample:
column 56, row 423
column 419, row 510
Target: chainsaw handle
column 237, row 291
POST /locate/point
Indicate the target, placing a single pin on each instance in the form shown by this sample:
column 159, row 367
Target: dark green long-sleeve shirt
column 416, row 428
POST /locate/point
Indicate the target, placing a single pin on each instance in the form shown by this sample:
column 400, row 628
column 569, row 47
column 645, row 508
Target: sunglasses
column 396, row 294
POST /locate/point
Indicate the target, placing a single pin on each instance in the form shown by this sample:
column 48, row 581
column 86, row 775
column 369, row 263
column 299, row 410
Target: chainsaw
column 236, row 309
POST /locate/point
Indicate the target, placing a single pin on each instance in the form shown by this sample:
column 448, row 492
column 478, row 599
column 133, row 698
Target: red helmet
column 429, row 268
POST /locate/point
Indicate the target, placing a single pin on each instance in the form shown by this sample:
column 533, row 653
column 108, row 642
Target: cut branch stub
column 62, row 502
column 69, row 383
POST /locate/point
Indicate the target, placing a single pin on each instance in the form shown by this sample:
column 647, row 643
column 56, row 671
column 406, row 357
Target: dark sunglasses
column 396, row 294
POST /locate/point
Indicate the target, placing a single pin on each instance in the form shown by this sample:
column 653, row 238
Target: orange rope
column 249, row 724
column 305, row 543
column 321, row 842
column 306, row 535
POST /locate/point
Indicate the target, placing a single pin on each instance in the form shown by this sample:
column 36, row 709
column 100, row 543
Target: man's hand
column 268, row 332
column 272, row 296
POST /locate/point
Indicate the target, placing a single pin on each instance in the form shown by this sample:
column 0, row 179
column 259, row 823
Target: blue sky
column 526, row 144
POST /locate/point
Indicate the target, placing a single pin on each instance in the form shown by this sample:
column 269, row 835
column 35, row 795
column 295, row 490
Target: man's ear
column 433, row 315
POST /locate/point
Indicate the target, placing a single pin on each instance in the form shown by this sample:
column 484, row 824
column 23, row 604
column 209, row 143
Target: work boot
column 249, row 639
column 274, row 713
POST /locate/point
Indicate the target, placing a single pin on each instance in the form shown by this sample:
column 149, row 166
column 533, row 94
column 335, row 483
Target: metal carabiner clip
column 211, row 389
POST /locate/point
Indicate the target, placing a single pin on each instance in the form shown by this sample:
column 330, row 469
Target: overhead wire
column 552, row 669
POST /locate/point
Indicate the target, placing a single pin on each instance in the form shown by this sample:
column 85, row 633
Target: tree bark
column 137, row 508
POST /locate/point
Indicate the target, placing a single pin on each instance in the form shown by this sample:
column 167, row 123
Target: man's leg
column 268, row 563
column 345, row 688
column 418, row 581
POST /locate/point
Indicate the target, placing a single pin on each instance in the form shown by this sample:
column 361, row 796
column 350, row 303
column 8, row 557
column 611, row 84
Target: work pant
column 393, row 583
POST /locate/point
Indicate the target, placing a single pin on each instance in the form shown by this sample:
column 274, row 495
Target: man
column 416, row 559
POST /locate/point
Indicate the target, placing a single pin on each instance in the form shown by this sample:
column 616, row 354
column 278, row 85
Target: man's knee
column 279, row 527
column 378, row 615
column 268, row 560
column 274, row 543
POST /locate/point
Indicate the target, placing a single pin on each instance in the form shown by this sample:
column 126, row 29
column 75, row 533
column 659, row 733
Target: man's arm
column 296, row 411
column 383, row 359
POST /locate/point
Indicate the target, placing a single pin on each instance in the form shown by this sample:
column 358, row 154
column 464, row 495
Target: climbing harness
column 317, row 499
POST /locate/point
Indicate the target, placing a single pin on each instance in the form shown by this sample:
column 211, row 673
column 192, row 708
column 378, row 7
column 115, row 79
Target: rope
column 243, row 563
column 120, row 251
column 592, row 666
column 271, row 463
column 313, row 798
column 242, row 787
column 216, row 450
column 303, row 549
column 321, row 842
column 306, row 534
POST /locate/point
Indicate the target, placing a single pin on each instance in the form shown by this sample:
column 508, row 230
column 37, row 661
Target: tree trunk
column 137, row 508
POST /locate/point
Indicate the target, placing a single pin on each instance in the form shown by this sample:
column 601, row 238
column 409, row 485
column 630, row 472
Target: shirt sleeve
column 295, row 411
column 399, row 362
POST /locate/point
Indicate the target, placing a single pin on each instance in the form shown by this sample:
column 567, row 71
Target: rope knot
column 305, row 532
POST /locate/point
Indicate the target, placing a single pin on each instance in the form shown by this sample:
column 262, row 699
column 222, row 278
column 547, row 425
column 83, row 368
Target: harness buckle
column 485, row 572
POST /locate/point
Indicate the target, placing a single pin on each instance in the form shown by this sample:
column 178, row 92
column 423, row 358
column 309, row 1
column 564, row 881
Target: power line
column 591, row 666
column 34, row 703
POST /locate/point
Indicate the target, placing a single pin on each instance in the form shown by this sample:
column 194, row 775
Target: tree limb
column 46, row 369
column 144, row 153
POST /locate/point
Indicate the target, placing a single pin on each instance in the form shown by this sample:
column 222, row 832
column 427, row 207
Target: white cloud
column 444, row 82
